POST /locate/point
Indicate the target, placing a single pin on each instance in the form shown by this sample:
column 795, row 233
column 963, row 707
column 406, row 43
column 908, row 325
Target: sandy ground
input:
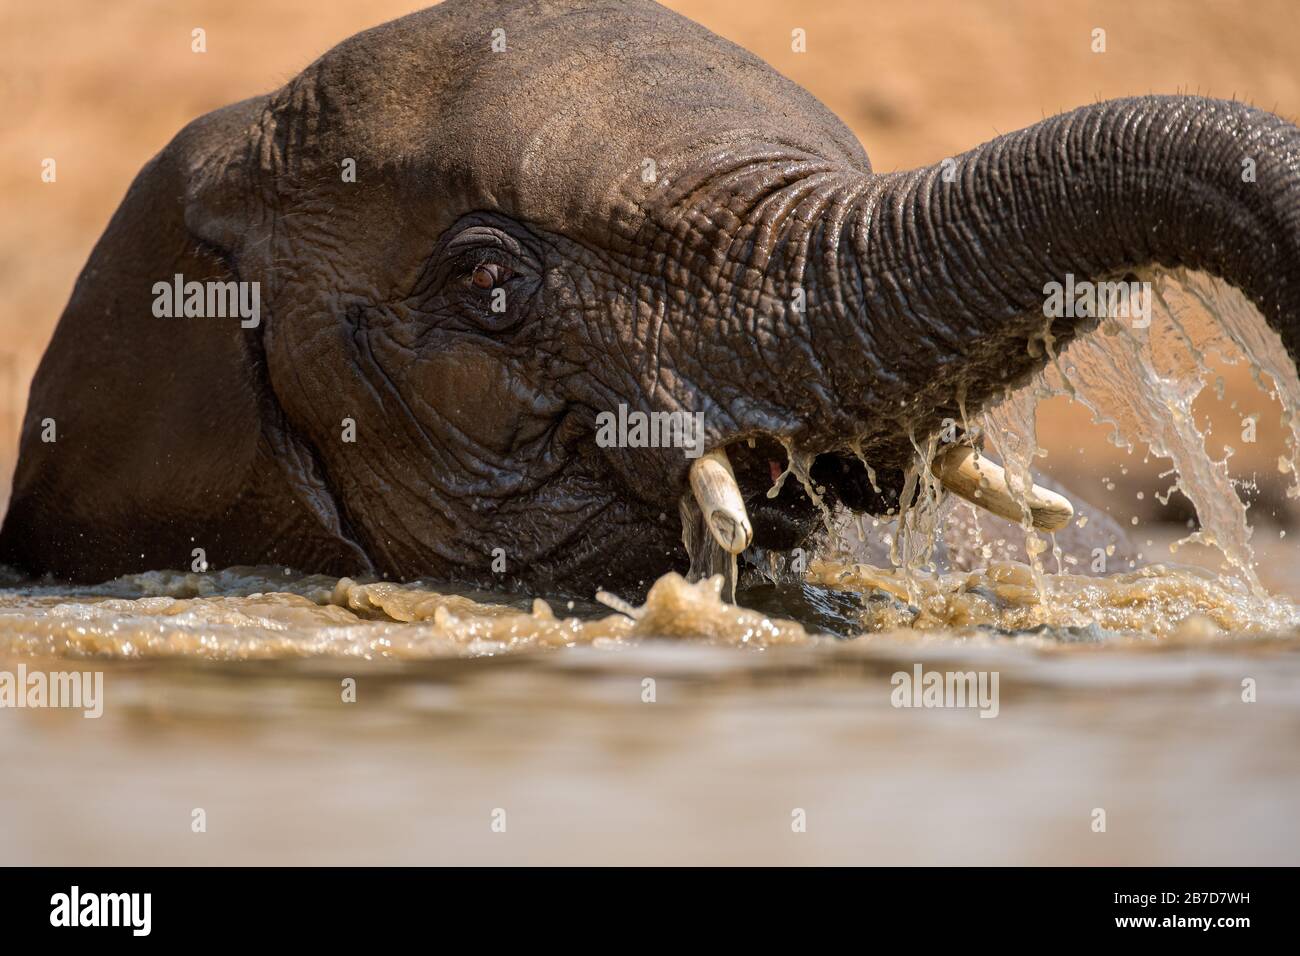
column 102, row 87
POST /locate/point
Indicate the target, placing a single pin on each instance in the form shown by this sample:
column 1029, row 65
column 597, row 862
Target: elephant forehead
column 552, row 111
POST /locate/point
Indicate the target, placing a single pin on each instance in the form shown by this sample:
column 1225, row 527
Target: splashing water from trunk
column 1140, row 379
column 1143, row 381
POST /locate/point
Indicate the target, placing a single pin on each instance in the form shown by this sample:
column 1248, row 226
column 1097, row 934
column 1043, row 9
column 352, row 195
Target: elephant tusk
column 967, row 473
column 720, row 501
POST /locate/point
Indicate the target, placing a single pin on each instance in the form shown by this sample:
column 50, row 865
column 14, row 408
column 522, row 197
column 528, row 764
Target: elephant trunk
column 941, row 275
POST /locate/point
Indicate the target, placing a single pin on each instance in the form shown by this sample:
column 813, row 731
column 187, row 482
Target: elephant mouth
column 748, row 492
column 785, row 511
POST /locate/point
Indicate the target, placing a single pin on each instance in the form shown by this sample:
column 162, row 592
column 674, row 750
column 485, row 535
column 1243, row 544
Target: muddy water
column 317, row 720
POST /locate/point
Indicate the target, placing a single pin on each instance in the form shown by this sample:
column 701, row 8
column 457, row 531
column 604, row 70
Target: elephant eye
column 487, row 275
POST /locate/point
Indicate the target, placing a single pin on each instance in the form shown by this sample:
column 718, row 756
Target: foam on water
column 257, row 613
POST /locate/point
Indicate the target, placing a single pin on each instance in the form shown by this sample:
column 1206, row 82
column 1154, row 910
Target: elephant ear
column 147, row 437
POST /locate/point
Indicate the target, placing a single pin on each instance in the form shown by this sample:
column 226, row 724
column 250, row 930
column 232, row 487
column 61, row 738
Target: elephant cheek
column 474, row 397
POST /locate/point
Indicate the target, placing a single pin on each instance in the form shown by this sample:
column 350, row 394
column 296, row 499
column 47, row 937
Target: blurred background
column 102, row 87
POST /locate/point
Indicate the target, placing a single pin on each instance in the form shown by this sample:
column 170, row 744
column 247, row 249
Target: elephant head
column 483, row 229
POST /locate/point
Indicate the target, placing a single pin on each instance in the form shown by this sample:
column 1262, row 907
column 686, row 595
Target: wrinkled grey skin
column 475, row 429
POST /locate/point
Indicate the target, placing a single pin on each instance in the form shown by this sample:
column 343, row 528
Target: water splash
column 918, row 524
column 1143, row 383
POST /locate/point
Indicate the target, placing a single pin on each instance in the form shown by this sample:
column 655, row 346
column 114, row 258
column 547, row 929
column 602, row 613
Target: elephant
column 478, row 231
